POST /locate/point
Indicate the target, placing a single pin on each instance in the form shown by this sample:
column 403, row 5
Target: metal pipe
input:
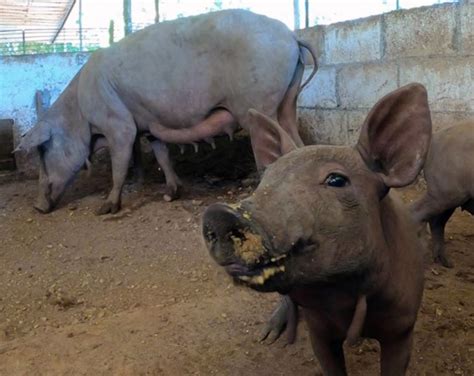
column 296, row 13
column 306, row 11
column 80, row 25
column 23, row 38
column 127, row 16
column 157, row 11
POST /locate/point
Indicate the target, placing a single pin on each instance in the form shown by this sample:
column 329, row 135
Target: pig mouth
column 239, row 243
column 257, row 274
column 267, row 269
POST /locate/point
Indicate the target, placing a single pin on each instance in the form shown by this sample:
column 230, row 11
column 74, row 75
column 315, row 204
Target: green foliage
column 17, row 48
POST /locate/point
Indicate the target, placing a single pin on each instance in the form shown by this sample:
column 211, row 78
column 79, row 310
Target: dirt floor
column 137, row 294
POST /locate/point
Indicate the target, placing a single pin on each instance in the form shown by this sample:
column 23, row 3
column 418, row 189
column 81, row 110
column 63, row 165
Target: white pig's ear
column 269, row 140
column 396, row 135
column 36, row 136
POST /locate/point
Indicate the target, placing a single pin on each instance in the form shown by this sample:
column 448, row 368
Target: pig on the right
column 449, row 175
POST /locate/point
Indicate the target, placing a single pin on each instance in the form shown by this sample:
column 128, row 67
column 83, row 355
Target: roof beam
column 66, row 16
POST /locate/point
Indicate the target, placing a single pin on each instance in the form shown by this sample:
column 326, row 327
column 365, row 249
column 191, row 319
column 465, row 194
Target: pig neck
column 65, row 114
column 399, row 254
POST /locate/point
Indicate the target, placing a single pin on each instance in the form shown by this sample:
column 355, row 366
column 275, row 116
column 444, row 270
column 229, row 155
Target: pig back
column 178, row 71
column 449, row 168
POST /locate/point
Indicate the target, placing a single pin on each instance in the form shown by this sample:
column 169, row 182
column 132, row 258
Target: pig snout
column 43, row 207
column 44, row 203
column 227, row 230
column 48, row 196
column 237, row 242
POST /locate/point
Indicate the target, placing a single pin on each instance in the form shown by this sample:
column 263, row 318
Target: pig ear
column 395, row 137
column 36, row 136
column 269, row 140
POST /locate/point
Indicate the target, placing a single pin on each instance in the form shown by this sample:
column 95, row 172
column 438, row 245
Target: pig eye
column 336, row 180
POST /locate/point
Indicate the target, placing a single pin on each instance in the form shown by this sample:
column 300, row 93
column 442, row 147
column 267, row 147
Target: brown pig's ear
column 269, row 140
column 396, row 134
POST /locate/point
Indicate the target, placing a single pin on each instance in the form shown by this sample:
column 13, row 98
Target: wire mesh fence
column 36, row 41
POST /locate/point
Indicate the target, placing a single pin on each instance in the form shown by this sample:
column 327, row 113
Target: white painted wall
column 22, row 76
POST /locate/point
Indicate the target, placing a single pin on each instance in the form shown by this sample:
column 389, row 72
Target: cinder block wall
column 362, row 60
column 20, row 78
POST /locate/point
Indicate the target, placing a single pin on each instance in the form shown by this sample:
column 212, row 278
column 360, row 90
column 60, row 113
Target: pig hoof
column 355, row 342
column 443, row 261
column 171, row 194
column 108, row 207
column 284, row 317
column 270, row 334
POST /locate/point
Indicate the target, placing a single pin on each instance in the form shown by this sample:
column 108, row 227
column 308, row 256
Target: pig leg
column 437, row 224
column 285, row 315
column 138, row 173
column 327, row 348
column 330, row 355
column 428, row 209
column 172, row 180
column 120, row 141
column 425, row 208
column 395, row 355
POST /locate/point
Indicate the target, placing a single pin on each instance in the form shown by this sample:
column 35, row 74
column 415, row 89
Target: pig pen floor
column 136, row 293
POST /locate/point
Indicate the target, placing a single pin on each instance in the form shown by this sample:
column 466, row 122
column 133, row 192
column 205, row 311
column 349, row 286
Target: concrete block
column 442, row 120
column 420, row 31
column 353, row 41
column 449, row 81
column 360, row 86
column 354, row 121
column 315, row 37
column 321, row 90
column 467, row 28
column 323, row 127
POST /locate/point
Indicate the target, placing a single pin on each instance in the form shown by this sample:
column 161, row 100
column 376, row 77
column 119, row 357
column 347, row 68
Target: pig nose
column 43, row 205
column 220, row 223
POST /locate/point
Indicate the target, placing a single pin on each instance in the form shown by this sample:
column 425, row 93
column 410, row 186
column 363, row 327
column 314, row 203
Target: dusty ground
column 137, row 294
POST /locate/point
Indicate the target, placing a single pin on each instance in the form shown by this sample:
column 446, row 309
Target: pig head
column 62, row 136
column 323, row 227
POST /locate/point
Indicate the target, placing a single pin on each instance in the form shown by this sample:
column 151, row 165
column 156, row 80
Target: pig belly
column 219, row 122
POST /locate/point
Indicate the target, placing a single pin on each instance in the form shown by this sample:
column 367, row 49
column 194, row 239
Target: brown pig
column 449, row 175
column 323, row 228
